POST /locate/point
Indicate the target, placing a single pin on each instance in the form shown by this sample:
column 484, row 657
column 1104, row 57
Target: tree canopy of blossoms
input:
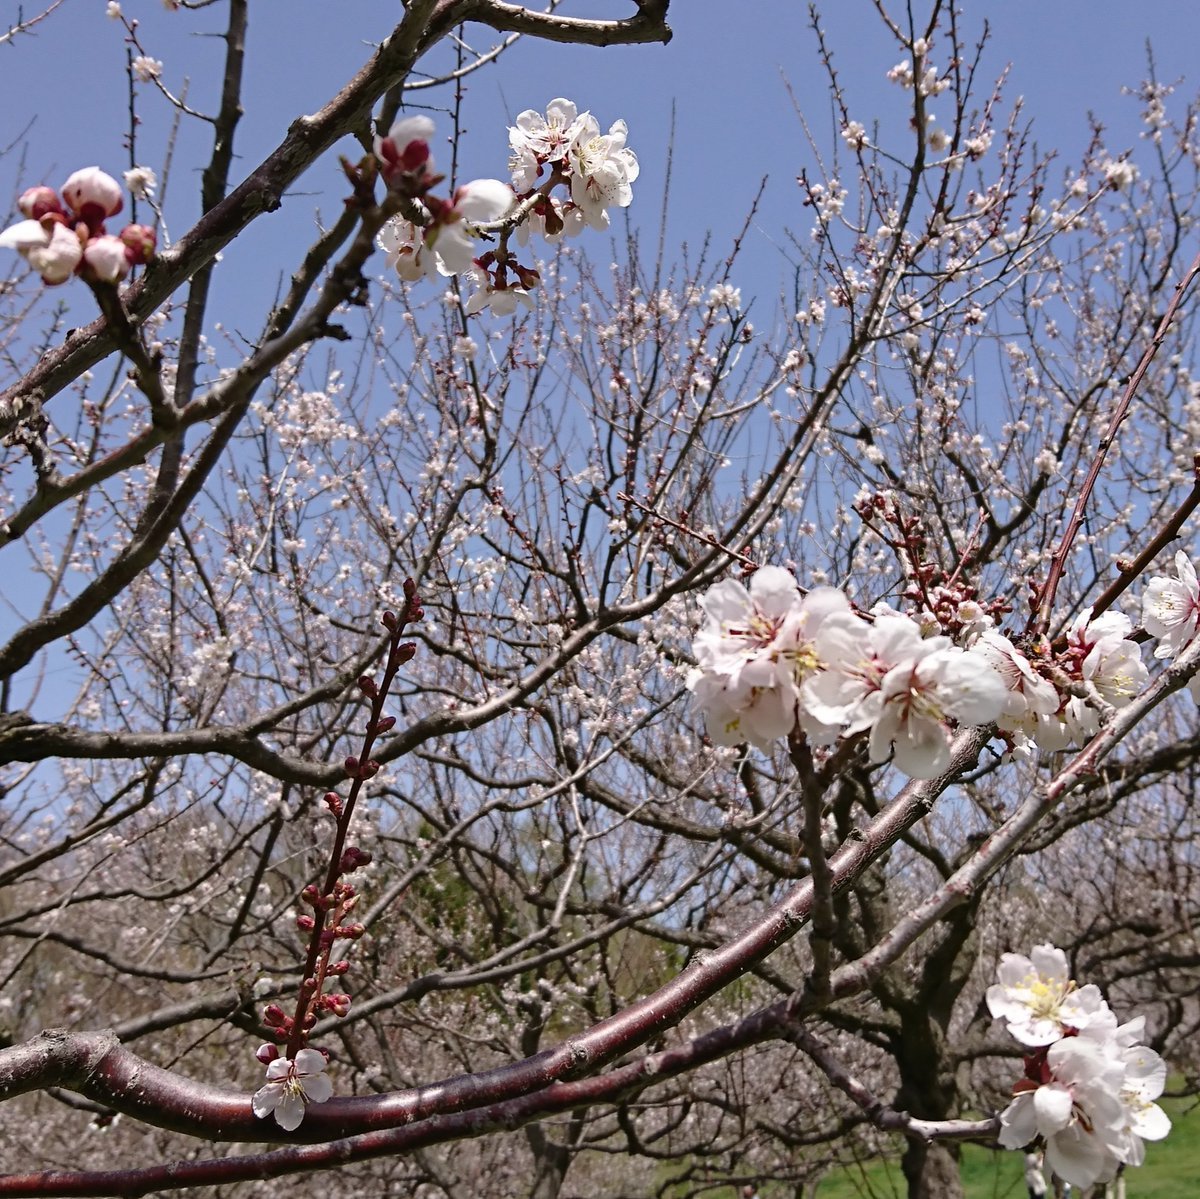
column 479, row 713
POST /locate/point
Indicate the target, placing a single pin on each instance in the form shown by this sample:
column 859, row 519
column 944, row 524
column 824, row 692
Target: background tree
column 587, row 928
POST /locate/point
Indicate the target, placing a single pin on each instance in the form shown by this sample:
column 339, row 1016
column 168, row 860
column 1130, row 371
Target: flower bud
column 339, row 1005
column 333, row 801
column 306, row 923
column 267, row 1053
column 106, row 259
column 274, row 1016
column 353, row 858
column 92, row 195
column 337, row 968
column 383, row 724
column 140, row 241
column 351, row 932
column 36, row 202
column 405, row 150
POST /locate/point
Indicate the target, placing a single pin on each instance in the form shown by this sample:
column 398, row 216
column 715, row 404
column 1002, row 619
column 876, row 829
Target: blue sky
column 725, row 75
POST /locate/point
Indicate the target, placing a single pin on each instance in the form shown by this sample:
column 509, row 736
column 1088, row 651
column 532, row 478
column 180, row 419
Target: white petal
column 266, row 1099
column 290, row 1111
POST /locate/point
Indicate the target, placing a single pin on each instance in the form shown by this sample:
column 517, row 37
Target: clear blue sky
column 726, row 73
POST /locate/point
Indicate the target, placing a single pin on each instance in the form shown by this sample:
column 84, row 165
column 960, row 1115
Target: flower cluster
column 63, row 237
column 771, row 661
column 562, row 147
column 1089, row 1086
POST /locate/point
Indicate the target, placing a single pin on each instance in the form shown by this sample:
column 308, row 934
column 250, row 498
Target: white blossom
column 146, row 68
column 1171, row 608
column 291, row 1086
column 1038, row 998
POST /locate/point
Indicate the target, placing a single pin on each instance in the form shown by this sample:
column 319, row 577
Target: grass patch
column 1171, row 1171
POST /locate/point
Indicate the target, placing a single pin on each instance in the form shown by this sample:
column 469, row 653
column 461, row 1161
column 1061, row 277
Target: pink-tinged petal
column 310, row 1061
column 317, row 1087
column 266, row 1100
column 279, row 1069
column 92, row 194
column 484, row 200
column 411, row 129
column 290, row 1111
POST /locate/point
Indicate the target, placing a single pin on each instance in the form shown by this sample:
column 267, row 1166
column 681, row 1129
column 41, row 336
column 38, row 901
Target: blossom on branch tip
column 602, row 170
column 146, row 68
column 141, row 182
column 291, row 1085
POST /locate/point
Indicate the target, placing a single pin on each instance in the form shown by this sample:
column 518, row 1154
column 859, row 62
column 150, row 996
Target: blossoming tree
column 586, row 726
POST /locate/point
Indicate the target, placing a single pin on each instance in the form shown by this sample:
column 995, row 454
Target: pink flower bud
column 351, row 932
column 140, row 241
column 405, row 150
column 106, row 259
column 92, row 195
column 274, row 1016
column 267, row 1053
column 337, row 968
column 307, row 923
column 36, row 202
column 339, row 1005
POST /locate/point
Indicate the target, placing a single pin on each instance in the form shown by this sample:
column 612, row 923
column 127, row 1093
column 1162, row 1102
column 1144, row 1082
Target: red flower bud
column 307, row 923
column 339, row 1005
column 36, row 202
column 266, row 1053
column 274, row 1016
column 140, row 242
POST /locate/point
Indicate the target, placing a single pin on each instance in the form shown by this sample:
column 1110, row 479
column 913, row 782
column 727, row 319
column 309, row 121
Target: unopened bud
column 140, row 241
column 274, row 1016
column 351, row 767
column 383, row 724
column 367, row 686
column 339, row 1005
column 337, row 968
column 36, row 202
column 351, row 932
column 306, row 923
column 266, row 1053
column 353, row 858
column 389, row 620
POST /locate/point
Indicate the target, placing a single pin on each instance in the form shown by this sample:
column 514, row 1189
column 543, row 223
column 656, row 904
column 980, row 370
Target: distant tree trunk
column 931, row 1171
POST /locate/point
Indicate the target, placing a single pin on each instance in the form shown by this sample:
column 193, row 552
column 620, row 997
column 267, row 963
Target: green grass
column 1172, row 1169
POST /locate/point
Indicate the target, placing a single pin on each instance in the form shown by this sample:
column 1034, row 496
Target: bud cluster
column 61, row 237
column 297, row 1078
